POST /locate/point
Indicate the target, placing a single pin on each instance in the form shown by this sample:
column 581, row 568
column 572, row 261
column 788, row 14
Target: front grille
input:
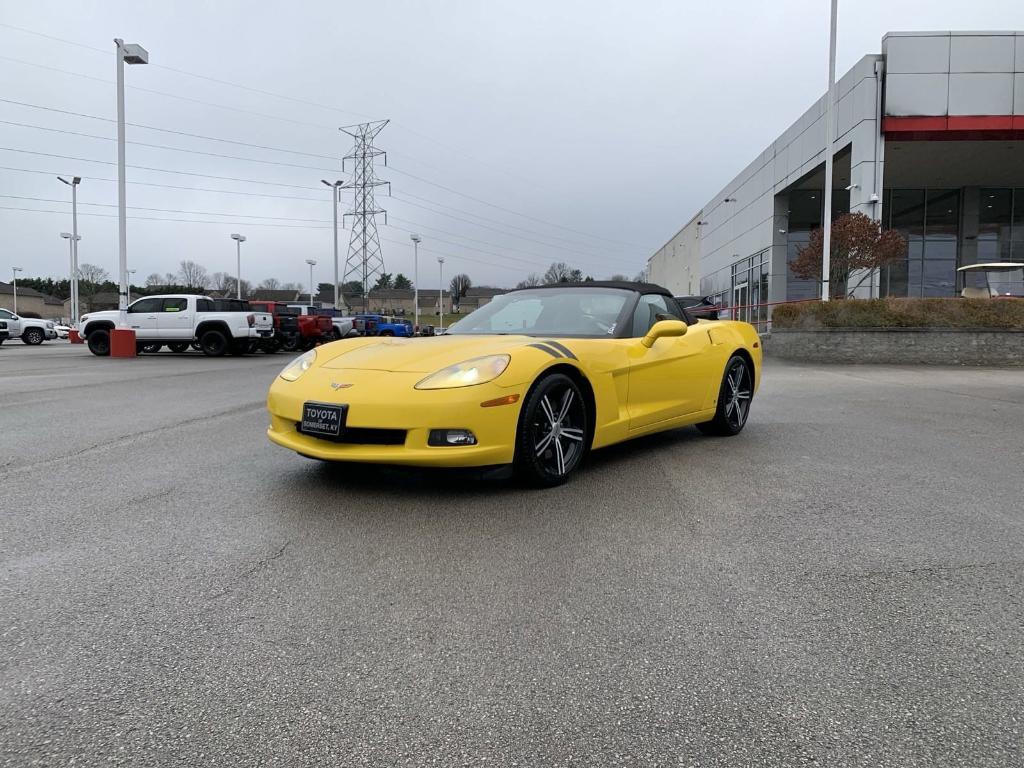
column 363, row 436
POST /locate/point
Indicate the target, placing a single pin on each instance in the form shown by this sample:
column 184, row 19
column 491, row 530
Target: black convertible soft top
column 625, row 285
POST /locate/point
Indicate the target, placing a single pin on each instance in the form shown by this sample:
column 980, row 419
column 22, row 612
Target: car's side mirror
column 663, row 328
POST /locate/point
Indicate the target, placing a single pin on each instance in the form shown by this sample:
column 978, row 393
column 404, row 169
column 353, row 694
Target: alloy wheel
column 738, row 392
column 558, row 431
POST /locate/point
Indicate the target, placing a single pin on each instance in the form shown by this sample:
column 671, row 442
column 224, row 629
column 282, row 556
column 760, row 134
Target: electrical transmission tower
column 365, row 259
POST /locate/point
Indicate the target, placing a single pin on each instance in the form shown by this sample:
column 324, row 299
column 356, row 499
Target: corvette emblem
column 340, row 385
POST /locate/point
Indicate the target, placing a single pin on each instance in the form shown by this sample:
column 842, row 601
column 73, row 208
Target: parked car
column 383, row 325
column 286, row 326
column 63, row 331
column 30, row 330
column 314, row 326
column 178, row 320
column 698, row 307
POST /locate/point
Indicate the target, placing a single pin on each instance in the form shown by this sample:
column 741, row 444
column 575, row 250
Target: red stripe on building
column 955, row 128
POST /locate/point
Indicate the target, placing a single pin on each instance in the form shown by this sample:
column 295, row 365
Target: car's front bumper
column 49, row 334
column 389, row 401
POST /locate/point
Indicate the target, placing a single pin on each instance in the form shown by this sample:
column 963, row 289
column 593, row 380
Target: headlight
column 298, row 366
column 49, row 325
column 479, row 370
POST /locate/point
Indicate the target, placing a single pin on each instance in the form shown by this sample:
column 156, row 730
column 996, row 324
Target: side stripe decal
column 561, row 348
column 545, row 348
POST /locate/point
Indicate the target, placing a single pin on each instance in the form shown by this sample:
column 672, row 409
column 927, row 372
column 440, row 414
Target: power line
column 168, row 210
column 169, row 130
column 165, row 146
column 325, row 127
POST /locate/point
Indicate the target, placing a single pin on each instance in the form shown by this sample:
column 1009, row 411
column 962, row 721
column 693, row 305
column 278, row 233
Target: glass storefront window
column 930, row 220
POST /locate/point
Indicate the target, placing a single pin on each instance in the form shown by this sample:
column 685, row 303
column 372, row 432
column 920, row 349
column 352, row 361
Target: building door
column 740, row 300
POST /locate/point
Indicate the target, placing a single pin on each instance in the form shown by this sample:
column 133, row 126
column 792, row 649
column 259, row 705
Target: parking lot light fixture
column 416, row 280
column 312, row 263
column 127, row 53
column 14, row 272
column 72, row 247
column 335, row 195
column 239, row 239
column 73, row 183
column 440, row 292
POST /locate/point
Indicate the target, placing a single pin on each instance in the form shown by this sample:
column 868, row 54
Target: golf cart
column 994, row 280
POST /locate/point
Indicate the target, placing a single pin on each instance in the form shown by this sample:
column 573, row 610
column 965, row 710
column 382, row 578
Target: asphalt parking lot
column 842, row 584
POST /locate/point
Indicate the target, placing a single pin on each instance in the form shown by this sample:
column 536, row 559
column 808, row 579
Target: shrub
column 901, row 313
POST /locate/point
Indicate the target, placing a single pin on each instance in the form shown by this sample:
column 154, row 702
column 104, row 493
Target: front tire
column 734, row 398
column 99, row 342
column 553, row 432
column 213, row 344
column 32, row 337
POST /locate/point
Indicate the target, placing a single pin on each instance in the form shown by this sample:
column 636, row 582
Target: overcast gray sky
column 585, row 132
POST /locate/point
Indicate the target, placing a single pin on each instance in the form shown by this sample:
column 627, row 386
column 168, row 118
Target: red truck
column 287, row 326
column 314, row 328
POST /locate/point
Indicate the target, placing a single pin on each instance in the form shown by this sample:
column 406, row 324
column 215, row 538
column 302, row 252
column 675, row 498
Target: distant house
column 31, row 301
column 275, row 294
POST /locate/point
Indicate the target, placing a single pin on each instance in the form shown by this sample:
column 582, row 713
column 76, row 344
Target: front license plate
column 323, row 419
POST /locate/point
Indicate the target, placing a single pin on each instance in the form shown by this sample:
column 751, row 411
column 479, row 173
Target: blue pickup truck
column 382, row 325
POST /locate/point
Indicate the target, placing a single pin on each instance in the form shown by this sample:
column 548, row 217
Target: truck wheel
column 213, row 343
column 149, row 348
column 178, row 346
column 387, row 333
column 337, row 334
column 32, row 336
column 99, row 342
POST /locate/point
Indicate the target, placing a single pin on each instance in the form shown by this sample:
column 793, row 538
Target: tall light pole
column 312, row 263
column 239, row 239
column 72, row 247
column 335, row 194
column 130, row 53
column 440, row 291
column 14, row 272
column 826, row 225
column 416, row 280
column 75, row 181
column 130, row 273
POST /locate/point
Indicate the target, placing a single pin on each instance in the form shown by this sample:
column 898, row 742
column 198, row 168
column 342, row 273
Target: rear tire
column 32, row 337
column 178, row 346
column 734, row 398
column 553, row 433
column 99, row 342
column 213, row 343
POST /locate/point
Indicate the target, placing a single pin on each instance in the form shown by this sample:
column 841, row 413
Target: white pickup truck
column 179, row 320
column 30, row 330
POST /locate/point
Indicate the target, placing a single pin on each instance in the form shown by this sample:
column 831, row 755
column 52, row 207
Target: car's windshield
column 574, row 312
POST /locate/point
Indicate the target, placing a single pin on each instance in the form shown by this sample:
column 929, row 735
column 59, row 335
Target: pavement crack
column 259, row 565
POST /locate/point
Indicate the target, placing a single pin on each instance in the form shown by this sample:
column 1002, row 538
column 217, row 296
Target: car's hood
column 417, row 355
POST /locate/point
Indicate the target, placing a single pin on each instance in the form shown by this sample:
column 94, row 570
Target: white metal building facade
column 929, row 140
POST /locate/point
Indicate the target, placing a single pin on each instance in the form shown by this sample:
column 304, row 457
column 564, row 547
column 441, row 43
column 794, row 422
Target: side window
column 650, row 309
column 204, row 305
column 5, row 315
column 175, row 305
column 145, row 305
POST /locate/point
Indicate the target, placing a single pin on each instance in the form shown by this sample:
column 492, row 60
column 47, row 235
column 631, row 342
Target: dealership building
column 929, row 140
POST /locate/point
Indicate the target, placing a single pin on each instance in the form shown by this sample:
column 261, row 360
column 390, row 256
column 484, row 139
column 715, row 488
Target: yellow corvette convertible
column 532, row 380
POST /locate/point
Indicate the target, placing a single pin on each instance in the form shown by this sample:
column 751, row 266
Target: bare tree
column 154, row 280
column 270, row 284
column 221, row 281
column 193, row 275
column 558, row 272
column 90, row 273
column 459, row 285
column 532, row 280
